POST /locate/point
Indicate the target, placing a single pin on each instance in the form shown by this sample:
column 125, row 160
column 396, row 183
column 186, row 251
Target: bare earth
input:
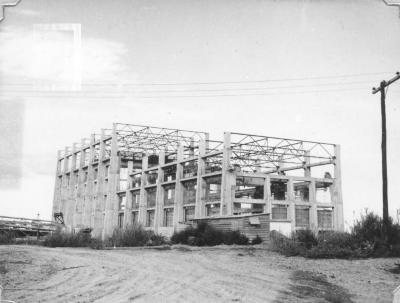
column 185, row 274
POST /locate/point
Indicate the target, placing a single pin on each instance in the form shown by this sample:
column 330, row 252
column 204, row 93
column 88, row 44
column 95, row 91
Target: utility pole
column 381, row 89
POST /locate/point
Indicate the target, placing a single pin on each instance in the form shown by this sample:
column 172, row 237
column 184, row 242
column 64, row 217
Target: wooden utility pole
column 381, row 89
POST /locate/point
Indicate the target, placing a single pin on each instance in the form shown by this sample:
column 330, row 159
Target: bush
column 7, row 237
column 60, row 239
column 256, row 240
column 365, row 240
column 134, row 235
column 206, row 235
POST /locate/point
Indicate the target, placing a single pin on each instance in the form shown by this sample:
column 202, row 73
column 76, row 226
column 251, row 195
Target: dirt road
column 182, row 274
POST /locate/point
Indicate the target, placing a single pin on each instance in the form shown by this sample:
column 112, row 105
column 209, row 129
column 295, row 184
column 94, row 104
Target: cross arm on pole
column 386, row 83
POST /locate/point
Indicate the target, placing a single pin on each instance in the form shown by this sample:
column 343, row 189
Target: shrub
column 60, row 239
column 206, row 235
column 134, row 235
column 256, row 240
column 365, row 240
column 306, row 237
column 7, row 237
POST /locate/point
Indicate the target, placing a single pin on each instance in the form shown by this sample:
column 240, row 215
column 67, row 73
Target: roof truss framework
column 253, row 151
column 135, row 140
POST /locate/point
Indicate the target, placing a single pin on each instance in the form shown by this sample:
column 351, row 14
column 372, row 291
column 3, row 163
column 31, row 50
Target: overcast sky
column 297, row 69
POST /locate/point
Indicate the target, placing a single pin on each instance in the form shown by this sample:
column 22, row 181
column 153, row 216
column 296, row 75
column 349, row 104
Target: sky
column 298, row 69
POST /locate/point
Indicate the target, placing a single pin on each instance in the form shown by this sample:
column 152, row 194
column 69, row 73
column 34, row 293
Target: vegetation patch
column 364, row 241
column 206, row 235
column 307, row 285
column 134, row 235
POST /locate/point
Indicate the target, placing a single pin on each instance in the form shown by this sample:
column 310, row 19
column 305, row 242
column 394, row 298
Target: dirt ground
column 186, row 274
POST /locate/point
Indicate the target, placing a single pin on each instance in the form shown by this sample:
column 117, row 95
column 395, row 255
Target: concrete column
column 81, row 195
column 178, row 203
column 64, row 187
column 143, row 202
column 57, row 186
column 88, row 205
column 111, row 208
column 228, row 178
column 307, row 168
column 71, row 199
column 98, row 206
column 337, row 199
column 291, row 202
column 199, row 211
column 128, row 206
column 159, row 209
column 267, row 196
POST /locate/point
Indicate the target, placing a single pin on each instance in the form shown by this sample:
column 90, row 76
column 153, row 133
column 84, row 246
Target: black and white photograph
column 200, row 151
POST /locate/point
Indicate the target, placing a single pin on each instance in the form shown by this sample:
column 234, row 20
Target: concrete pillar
column 267, row 196
column 57, row 186
column 129, row 202
column 143, row 202
column 337, row 199
column 291, row 202
column 199, row 211
column 313, row 208
column 307, row 168
column 159, row 209
column 228, row 178
column 88, row 204
column 178, row 203
column 98, row 205
column 111, row 208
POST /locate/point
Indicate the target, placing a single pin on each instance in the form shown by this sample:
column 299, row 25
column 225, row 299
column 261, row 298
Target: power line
column 225, row 89
column 121, row 96
column 219, row 82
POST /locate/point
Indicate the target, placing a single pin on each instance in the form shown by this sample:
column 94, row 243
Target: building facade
column 165, row 178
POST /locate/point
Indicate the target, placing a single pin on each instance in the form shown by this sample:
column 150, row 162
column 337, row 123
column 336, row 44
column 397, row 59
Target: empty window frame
column 189, row 192
column 323, row 192
column 168, row 216
column 152, row 177
column 302, row 216
column 107, row 171
column 213, row 164
column 150, row 218
column 188, row 213
column 325, row 218
column 95, row 173
column 96, row 154
column 120, row 220
column 85, row 176
column 136, row 180
column 121, row 203
column 279, row 190
column 212, row 189
column 135, row 217
column 62, row 161
column 86, row 157
column 247, row 208
column 135, row 199
column 301, row 191
column 189, row 169
column 77, row 160
column 169, row 194
column 249, row 188
column 279, row 212
column 153, row 160
column 151, row 197
column 213, row 210
column 169, row 173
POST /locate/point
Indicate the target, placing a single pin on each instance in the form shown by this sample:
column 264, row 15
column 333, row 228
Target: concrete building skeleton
column 164, row 178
